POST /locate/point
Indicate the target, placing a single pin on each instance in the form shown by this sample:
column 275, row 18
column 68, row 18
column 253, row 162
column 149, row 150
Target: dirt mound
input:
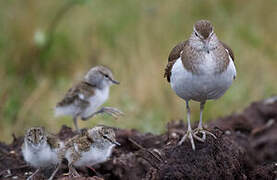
column 245, row 148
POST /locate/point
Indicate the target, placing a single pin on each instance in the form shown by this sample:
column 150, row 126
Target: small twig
column 156, row 155
column 263, row 128
column 96, row 173
column 146, row 159
column 150, row 162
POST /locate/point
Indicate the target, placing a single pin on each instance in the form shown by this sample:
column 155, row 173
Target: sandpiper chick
column 87, row 96
column 40, row 150
column 90, row 147
column 200, row 68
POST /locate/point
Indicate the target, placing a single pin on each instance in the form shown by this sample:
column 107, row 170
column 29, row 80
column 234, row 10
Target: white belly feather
column 91, row 157
column 95, row 101
column 203, row 86
column 41, row 157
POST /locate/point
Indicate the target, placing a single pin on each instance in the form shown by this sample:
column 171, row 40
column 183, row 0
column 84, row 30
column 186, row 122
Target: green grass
column 39, row 61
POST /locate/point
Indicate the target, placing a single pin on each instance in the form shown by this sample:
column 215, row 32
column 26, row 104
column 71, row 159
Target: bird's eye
column 196, row 34
column 106, row 76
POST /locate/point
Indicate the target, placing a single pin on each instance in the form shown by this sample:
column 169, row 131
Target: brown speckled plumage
column 72, row 96
column 41, row 149
column 39, row 134
column 204, row 28
column 231, row 54
column 88, row 140
column 173, row 56
column 192, row 57
column 200, row 69
column 83, row 141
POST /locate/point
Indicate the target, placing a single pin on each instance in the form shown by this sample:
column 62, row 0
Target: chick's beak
column 113, row 141
column 115, row 81
column 116, row 143
column 206, row 44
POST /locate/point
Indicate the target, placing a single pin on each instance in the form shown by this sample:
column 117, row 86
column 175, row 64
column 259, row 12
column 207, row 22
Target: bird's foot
column 73, row 173
column 114, row 112
column 33, row 175
column 203, row 132
column 189, row 135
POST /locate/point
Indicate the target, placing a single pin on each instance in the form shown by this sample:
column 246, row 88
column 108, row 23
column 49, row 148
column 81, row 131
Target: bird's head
column 203, row 34
column 100, row 76
column 104, row 135
column 35, row 137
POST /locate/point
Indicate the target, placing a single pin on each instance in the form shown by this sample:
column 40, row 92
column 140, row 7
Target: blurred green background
column 46, row 46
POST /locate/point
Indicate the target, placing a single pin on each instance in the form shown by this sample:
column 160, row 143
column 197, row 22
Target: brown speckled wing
column 173, row 56
column 84, row 143
column 229, row 50
column 222, row 57
column 82, row 140
column 73, row 94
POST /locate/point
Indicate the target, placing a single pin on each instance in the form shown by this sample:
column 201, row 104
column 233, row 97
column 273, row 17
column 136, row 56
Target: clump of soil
column 245, row 148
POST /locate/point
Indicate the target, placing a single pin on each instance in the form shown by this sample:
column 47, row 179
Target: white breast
column 95, row 101
column 99, row 97
column 203, row 86
column 40, row 157
column 94, row 156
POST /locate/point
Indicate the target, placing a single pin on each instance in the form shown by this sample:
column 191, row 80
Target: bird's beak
column 113, row 141
column 116, row 143
column 206, row 42
column 115, row 81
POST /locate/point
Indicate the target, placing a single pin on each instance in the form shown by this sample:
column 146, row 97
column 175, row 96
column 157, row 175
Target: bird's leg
column 200, row 128
column 114, row 112
column 189, row 133
column 91, row 168
column 74, row 156
column 56, row 170
column 72, row 171
column 75, row 118
column 33, row 175
column 200, row 125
